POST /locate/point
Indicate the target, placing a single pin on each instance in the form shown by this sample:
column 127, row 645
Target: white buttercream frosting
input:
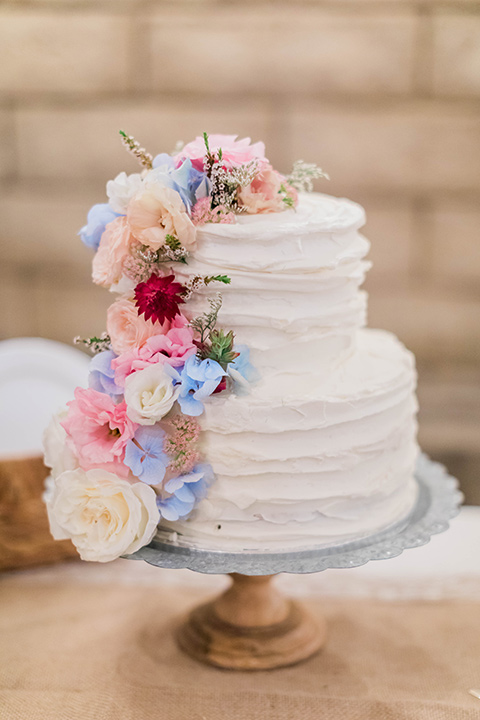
column 323, row 447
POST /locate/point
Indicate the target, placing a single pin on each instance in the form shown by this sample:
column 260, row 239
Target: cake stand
column 252, row 626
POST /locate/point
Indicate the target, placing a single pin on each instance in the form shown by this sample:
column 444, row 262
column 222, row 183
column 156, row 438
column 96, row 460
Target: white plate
column 37, row 377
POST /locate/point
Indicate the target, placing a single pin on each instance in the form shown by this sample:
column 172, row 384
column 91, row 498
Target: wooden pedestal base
column 251, row 627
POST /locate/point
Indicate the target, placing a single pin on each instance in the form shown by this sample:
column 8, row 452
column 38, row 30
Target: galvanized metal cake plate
column 438, row 502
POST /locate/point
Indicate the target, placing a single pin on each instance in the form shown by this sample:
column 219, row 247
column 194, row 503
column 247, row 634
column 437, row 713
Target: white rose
column 103, row 515
column 57, row 454
column 122, row 189
column 149, row 394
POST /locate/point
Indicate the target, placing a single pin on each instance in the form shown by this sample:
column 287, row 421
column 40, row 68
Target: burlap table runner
column 107, row 653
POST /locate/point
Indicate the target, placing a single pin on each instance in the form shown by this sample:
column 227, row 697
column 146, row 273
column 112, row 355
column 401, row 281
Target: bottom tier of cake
column 310, row 460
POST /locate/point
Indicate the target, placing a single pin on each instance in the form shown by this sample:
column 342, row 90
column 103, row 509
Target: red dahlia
column 159, row 297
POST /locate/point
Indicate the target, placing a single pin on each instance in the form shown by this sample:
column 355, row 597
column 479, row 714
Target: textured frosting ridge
column 324, row 447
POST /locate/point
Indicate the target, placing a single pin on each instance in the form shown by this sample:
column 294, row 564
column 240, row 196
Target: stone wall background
column 383, row 94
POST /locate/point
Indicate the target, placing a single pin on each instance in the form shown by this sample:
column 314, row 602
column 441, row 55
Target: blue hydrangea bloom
column 199, row 378
column 98, row 216
column 186, row 491
column 191, row 184
column 145, row 456
column 101, row 375
column 241, row 369
column 164, row 161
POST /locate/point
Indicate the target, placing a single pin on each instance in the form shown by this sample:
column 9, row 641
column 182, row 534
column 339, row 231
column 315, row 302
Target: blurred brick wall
column 383, row 94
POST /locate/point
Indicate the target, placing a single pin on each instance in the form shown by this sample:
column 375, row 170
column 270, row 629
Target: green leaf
column 95, row 344
column 205, row 140
column 217, row 278
column 172, row 242
column 221, row 347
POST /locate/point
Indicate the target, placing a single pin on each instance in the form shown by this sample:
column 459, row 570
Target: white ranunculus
column 122, row 189
column 57, row 454
column 103, row 515
column 149, row 394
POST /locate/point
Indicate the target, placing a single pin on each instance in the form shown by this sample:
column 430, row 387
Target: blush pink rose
column 173, row 348
column 234, row 152
column 156, row 212
column 263, row 194
column 98, row 430
column 128, row 329
column 112, row 251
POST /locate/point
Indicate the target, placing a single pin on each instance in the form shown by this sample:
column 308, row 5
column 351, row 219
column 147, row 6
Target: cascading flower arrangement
column 126, row 451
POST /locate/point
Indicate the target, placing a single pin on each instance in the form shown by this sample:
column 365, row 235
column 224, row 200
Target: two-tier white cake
column 324, row 448
column 264, row 418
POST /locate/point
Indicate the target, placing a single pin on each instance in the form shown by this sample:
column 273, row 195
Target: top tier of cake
column 295, row 279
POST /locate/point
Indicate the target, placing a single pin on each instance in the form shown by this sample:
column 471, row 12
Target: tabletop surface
column 86, row 641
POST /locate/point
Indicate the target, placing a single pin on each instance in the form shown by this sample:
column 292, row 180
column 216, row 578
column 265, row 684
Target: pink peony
column 156, row 212
column 98, row 430
column 112, row 251
column 263, row 194
column 128, row 329
column 173, row 348
column 234, row 152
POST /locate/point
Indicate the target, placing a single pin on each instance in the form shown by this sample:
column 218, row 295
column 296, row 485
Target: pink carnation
column 263, row 195
column 98, row 430
column 172, row 348
column 234, row 152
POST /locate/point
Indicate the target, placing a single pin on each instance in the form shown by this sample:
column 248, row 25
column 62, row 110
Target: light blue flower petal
column 104, row 384
column 94, row 382
column 174, row 373
column 98, row 217
column 187, row 490
column 153, row 470
column 190, row 406
column 192, row 369
column 133, row 458
column 102, row 362
column 207, row 389
column 172, row 508
column 101, row 375
column 185, row 180
column 185, row 494
column 175, row 483
column 203, row 188
column 111, row 387
column 152, row 439
column 212, row 370
column 194, row 476
column 163, row 160
column 243, row 365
